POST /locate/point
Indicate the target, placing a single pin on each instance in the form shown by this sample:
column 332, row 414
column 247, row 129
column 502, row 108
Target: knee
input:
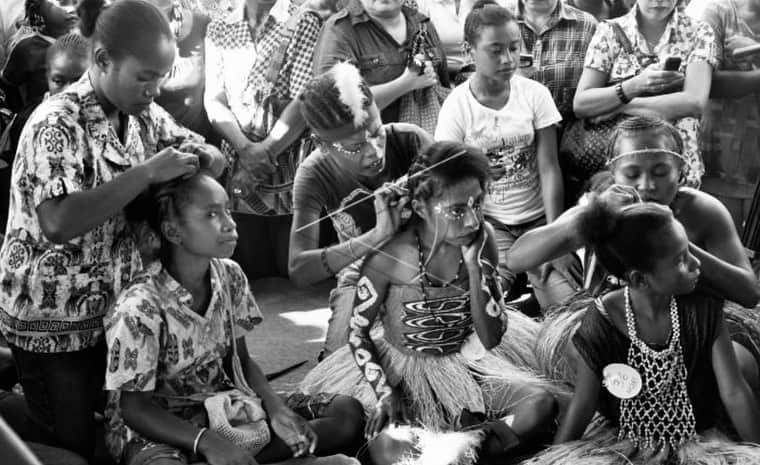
column 543, row 407
column 386, row 449
column 351, row 415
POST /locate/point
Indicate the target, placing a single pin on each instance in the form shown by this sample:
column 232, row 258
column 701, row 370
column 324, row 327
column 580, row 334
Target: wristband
column 197, row 440
column 621, row 93
column 325, row 265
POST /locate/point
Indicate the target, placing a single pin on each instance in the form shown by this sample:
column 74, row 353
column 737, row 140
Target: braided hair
column 33, row 14
column 336, row 98
column 71, row 44
column 627, row 238
column 444, row 164
column 484, row 13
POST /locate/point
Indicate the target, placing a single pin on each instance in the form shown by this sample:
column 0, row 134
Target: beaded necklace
column 424, row 278
column 662, row 412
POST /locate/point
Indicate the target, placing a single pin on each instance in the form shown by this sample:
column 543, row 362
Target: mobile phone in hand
column 672, row 64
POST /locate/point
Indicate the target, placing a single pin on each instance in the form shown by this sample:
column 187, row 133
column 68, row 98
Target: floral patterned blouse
column 53, row 296
column 157, row 343
column 684, row 37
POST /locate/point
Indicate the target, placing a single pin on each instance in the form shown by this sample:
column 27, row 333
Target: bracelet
column 326, row 265
column 351, row 248
column 621, row 93
column 197, row 440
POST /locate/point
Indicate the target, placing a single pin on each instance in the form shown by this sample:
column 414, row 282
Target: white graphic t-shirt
column 507, row 136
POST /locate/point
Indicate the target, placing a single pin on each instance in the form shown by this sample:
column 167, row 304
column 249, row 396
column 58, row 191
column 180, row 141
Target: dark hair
column 484, row 13
column 321, row 106
column 444, row 164
column 71, row 44
column 162, row 202
column 627, row 238
column 637, row 125
column 124, row 28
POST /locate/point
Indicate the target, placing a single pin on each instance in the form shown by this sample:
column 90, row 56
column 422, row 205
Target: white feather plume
column 348, row 81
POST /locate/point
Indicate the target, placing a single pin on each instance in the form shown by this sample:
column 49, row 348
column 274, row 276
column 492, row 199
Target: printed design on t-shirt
column 512, row 159
column 354, row 217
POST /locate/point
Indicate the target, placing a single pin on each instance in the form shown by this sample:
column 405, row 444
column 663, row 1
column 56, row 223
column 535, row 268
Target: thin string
column 398, row 183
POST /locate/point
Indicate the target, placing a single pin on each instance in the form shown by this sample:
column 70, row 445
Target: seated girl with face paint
column 427, row 311
column 172, row 335
column 655, row 358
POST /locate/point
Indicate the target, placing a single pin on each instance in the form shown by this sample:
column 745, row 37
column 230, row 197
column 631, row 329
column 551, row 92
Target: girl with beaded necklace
column 653, row 360
column 427, row 311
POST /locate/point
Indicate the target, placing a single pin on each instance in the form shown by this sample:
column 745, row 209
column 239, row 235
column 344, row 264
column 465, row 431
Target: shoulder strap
column 621, row 37
column 278, row 58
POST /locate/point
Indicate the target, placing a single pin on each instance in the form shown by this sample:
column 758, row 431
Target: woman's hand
column 390, row 200
column 294, row 430
column 169, row 164
column 209, row 157
column 472, row 252
column 653, row 80
column 414, row 80
column 219, row 451
column 257, row 160
column 389, row 410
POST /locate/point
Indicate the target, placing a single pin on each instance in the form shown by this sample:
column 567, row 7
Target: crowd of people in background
column 540, row 216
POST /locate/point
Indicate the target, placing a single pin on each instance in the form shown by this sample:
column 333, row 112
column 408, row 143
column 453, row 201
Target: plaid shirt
column 237, row 64
column 558, row 50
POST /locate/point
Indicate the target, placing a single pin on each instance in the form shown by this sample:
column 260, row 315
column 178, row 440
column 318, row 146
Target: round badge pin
column 622, row 380
column 472, row 348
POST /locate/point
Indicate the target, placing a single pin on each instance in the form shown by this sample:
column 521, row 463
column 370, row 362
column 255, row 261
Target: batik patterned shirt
column 684, row 37
column 158, row 343
column 53, row 296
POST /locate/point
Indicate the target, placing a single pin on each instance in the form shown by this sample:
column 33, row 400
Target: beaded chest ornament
column 662, row 413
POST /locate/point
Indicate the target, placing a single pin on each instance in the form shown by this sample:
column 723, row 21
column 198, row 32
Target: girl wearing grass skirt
column 653, row 357
column 428, row 309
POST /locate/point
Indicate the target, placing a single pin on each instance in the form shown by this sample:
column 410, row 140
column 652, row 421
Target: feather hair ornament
column 350, row 86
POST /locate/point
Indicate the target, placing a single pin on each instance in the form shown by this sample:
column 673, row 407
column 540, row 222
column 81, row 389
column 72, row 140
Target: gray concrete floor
column 293, row 330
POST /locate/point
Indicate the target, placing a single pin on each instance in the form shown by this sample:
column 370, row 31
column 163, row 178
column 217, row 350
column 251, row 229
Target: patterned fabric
column 557, row 50
column 237, row 62
column 691, row 40
column 158, row 343
column 53, row 296
column 437, row 326
column 730, row 133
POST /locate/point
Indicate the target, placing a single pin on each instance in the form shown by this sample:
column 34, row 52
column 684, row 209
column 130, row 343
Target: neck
column 431, row 242
column 256, row 9
column 388, row 21
column 189, row 270
column 533, row 12
column 649, row 304
column 489, row 86
column 109, row 108
column 652, row 28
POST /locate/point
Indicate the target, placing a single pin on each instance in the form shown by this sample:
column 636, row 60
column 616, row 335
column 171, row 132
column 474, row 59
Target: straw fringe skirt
column 436, row 388
column 600, row 446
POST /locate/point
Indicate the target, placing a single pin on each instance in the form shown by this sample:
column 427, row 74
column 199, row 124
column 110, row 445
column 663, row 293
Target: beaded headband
column 646, row 151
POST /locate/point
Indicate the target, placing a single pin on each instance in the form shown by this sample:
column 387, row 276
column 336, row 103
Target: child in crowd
column 67, row 60
column 175, row 329
column 433, row 297
column 653, row 360
column 513, row 120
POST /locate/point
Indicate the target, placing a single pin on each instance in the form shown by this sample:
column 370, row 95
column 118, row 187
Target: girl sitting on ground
column 433, row 297
column 171, row 339
column 653, row 356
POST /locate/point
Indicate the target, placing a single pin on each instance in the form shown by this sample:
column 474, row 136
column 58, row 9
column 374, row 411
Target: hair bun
column 482, row 3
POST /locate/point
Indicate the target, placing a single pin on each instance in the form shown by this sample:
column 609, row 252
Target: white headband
column 646, row 151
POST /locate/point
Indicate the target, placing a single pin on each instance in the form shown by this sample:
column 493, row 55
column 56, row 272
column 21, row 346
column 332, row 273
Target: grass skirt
column 436, row 388
column 600, row 446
